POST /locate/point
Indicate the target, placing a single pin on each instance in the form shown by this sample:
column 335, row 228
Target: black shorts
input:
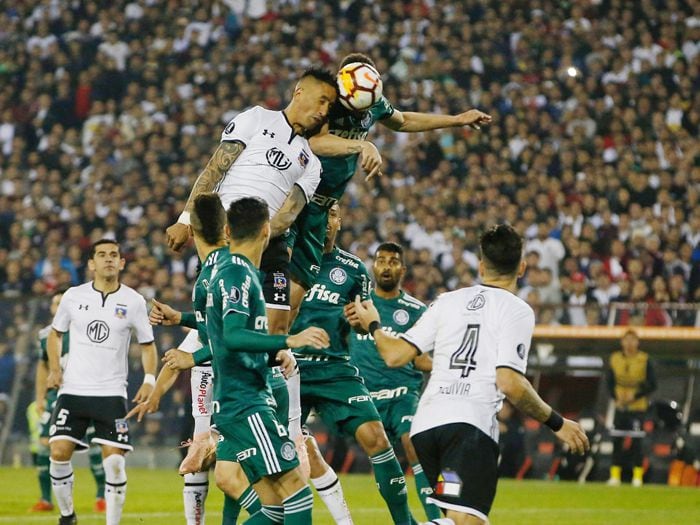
column 275, row 268
column 72, row 415
column 461, row 463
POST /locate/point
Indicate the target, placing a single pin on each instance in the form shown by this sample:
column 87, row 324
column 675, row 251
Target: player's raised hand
column 473, row 118
column 314, row 337
column 177, row 235
column 178, row 360
column 149, row 406
column 370, row 160
column 574, row 436
column 54, row 379
column 163, row 314
column 362, row 313
column 287, row 363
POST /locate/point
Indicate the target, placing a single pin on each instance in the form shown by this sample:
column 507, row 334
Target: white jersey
column 273, row 161
column 471, row 332
column 100, row 332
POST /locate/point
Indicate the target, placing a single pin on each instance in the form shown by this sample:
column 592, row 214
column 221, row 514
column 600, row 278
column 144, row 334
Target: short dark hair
column 208, row 217
column 357, row 57
column 391, row 247
column 96, row 244
column 321, row 74
column 501, row 249
column 246, row 217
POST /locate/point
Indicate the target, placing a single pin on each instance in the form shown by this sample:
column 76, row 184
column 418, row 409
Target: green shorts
column 258, row 442
column 338, row 393
column 396, row 412
column 279, row 391
column 306, row 239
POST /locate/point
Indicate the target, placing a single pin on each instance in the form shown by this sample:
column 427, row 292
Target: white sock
column 61, row 473
column 194, row 494
column 331, row 493
column 440, row 521
column 115, row 487
column 201, row 424
column 294, row 391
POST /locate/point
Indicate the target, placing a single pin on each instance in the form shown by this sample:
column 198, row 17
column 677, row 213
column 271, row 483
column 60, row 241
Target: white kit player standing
column 100, row 317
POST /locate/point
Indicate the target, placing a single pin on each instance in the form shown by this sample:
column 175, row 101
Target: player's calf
column 327, row 484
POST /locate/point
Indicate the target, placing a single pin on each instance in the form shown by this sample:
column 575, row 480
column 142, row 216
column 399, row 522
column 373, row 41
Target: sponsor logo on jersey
column 389, row 393
column 280, row 297
column 338, row 275
column 246, row 291
column 261, row 322
column 247, row 453
column 279, row 281
column 359, row 399
column 320, row 292
column 352, row 134
column 288, row 452
column 477, row 303
column 277, row 159
column 83, row 307
column 204, row 382
column 401, row 317
column 521, row 351
column 270, row 134
column 120, row 311
column 234, row 295
column 407, row 418
column 230, row 127
column 303, row 159
column 98, row 331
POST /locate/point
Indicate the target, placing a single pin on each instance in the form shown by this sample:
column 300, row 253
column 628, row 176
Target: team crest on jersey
column 303, row 159
column 121, row 426
column 120, row 311
column 277, row 159
column 234, row 295
column 401, row 317
column 477, row 303
column 288, row 452
column 521, row 351
column 338, row 275
column 279, row 281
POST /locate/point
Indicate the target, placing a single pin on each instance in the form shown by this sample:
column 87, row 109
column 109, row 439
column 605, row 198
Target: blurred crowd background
column 109, row 110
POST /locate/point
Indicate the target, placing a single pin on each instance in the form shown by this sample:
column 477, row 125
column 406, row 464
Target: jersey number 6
column 463, row 358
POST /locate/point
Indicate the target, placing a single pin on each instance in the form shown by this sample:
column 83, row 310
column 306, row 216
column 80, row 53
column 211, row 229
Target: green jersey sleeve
column 381, row 109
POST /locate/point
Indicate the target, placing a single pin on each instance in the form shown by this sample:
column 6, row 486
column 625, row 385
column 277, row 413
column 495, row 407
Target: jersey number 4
column 463, row 358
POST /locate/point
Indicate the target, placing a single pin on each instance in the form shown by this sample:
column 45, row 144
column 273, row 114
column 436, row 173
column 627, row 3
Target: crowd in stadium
column 108, row 113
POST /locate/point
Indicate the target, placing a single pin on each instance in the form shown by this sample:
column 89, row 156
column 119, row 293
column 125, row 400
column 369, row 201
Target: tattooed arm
column 521, row 393
column 219, row 163
column 292, row 206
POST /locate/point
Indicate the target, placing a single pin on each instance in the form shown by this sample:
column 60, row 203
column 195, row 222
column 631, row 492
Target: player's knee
column 61, row 450
column 115, row 468
column 372, row 438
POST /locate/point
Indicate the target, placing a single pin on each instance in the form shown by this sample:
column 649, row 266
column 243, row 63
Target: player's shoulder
column 411, row 302
column 348, row 259
column 127, row 293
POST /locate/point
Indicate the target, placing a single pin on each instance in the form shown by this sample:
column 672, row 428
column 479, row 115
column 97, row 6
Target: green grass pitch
column 154, row 498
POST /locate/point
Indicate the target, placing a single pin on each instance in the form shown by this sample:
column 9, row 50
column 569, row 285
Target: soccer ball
column 359, row 86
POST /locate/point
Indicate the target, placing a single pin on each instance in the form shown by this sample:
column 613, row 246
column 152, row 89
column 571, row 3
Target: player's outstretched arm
column 287, row 214
column 42, row 373
column 328, row 145
column 411, row 122
column 219, row 163
column 53, row 350
column 237, row 338
column 166, row 315
column 520, row 392
column 149, row 361
column 395, row 351
column 166, row 379
column 424, row 363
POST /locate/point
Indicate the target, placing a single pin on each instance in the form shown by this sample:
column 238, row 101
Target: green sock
column 42, row 468
column 424, row 490
column 249, row 501
column 267, row 515
column 231, row 511
column 98, row 471
column 392, row 485
column 298, row 506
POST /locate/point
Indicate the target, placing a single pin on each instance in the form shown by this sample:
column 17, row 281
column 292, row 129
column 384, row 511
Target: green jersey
column 342, row 276
column 52, row 393
column 397, row 315
column 337, row 171
column 235, row 296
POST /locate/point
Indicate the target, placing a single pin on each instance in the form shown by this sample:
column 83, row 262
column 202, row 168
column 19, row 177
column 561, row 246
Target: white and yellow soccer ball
column 359, row 86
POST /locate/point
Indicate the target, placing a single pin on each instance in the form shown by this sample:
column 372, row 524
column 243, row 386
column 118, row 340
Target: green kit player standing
column 395, row 391
column 334, row 387
column 45, row 401
column 250, row 431
column 339, row 160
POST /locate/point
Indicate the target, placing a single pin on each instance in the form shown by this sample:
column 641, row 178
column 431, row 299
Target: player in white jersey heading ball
column 100, row 316
column 480, row 338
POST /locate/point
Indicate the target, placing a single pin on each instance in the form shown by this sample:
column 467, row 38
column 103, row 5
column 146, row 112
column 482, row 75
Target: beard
column 387, row 285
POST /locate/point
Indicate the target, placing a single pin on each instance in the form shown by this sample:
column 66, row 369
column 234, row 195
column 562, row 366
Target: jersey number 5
column 463, row 358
